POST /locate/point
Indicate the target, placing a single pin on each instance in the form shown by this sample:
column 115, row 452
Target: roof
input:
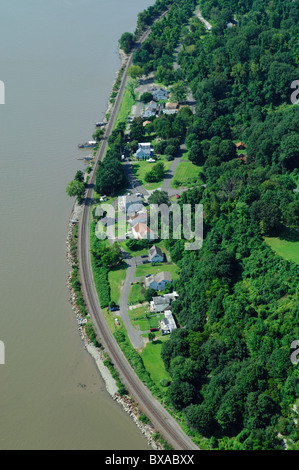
column 144, row 144
column 240, row 144
column 163, row 276
column 171, row 105
column 155, row 250
column 142, row 229
column 160, row 300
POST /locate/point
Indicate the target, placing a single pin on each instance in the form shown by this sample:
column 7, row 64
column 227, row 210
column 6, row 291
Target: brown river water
column 58, row 62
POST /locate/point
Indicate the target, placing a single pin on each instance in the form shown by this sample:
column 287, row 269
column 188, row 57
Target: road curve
column 160, row 418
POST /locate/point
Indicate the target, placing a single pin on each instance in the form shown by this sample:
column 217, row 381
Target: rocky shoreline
column 127, row 403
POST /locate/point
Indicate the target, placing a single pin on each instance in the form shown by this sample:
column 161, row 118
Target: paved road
column 160, row 418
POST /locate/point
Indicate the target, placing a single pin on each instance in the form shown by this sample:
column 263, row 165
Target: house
column 141, row 231
column 159, row 94
column 159, row 281
column 159, row 304
column 243, row 158
column 137, row 217
column 130, row 204
column 150, row 109
column 156, row 254
column 169, row 111
column 167, row 324
column 240, row 146
column 144, row 151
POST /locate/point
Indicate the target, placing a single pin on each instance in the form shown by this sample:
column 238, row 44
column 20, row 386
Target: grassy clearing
column 116, row 278
column 151, row 356
column 136, row 294
column 187, row 174
column 287, row 249
column 125, row 107
column 144, row 269
column 140, row 168
column 143, row 320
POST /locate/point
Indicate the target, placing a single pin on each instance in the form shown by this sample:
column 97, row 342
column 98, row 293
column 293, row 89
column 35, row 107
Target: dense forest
column 238, row 304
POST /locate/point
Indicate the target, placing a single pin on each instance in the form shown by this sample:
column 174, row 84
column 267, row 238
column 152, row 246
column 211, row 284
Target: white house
column 159, row 281
column 168, row 323
column 155, row 254
column 144, row 151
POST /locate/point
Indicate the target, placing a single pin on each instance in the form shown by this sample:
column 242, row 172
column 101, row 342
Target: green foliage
column 127, row 42
column 156, row 174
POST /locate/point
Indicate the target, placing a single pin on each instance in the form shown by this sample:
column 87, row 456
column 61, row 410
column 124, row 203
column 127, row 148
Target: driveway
column 134, row 335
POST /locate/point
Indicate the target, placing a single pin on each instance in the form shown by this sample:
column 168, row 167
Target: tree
column 146, row 97
column 156, row 174
column 159, row 197
column 151, row 336
column 289, row 151
column 149, row 294
column 195, row 154
column 227, row 150
column 135, row 71
column 127, row 42
column 131, row 86
column 75, row 188
column 79, row 176
column 179, row 91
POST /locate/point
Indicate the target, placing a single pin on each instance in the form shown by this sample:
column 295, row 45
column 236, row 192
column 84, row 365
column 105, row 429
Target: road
column 160, row 418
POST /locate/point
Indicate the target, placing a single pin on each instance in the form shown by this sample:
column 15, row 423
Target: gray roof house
column 159, row 304
column 159, row 281
column 159, row 94
column 144, row 151
column 130, row 204
column 155, row 254
column 150, row 109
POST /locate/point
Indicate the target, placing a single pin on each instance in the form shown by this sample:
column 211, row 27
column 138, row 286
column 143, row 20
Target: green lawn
column 144, row 269
column 287, row 249
column 125, row 107
column 140, row 168
column 187, row 174
column 116, row 278
column 151, row 356
column 136, row 294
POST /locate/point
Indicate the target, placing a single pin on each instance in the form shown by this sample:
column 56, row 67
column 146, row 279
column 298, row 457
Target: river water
column 58, row 62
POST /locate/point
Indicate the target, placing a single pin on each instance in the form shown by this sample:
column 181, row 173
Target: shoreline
column 96, row 353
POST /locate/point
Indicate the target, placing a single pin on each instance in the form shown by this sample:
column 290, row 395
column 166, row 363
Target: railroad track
column 163, row 422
